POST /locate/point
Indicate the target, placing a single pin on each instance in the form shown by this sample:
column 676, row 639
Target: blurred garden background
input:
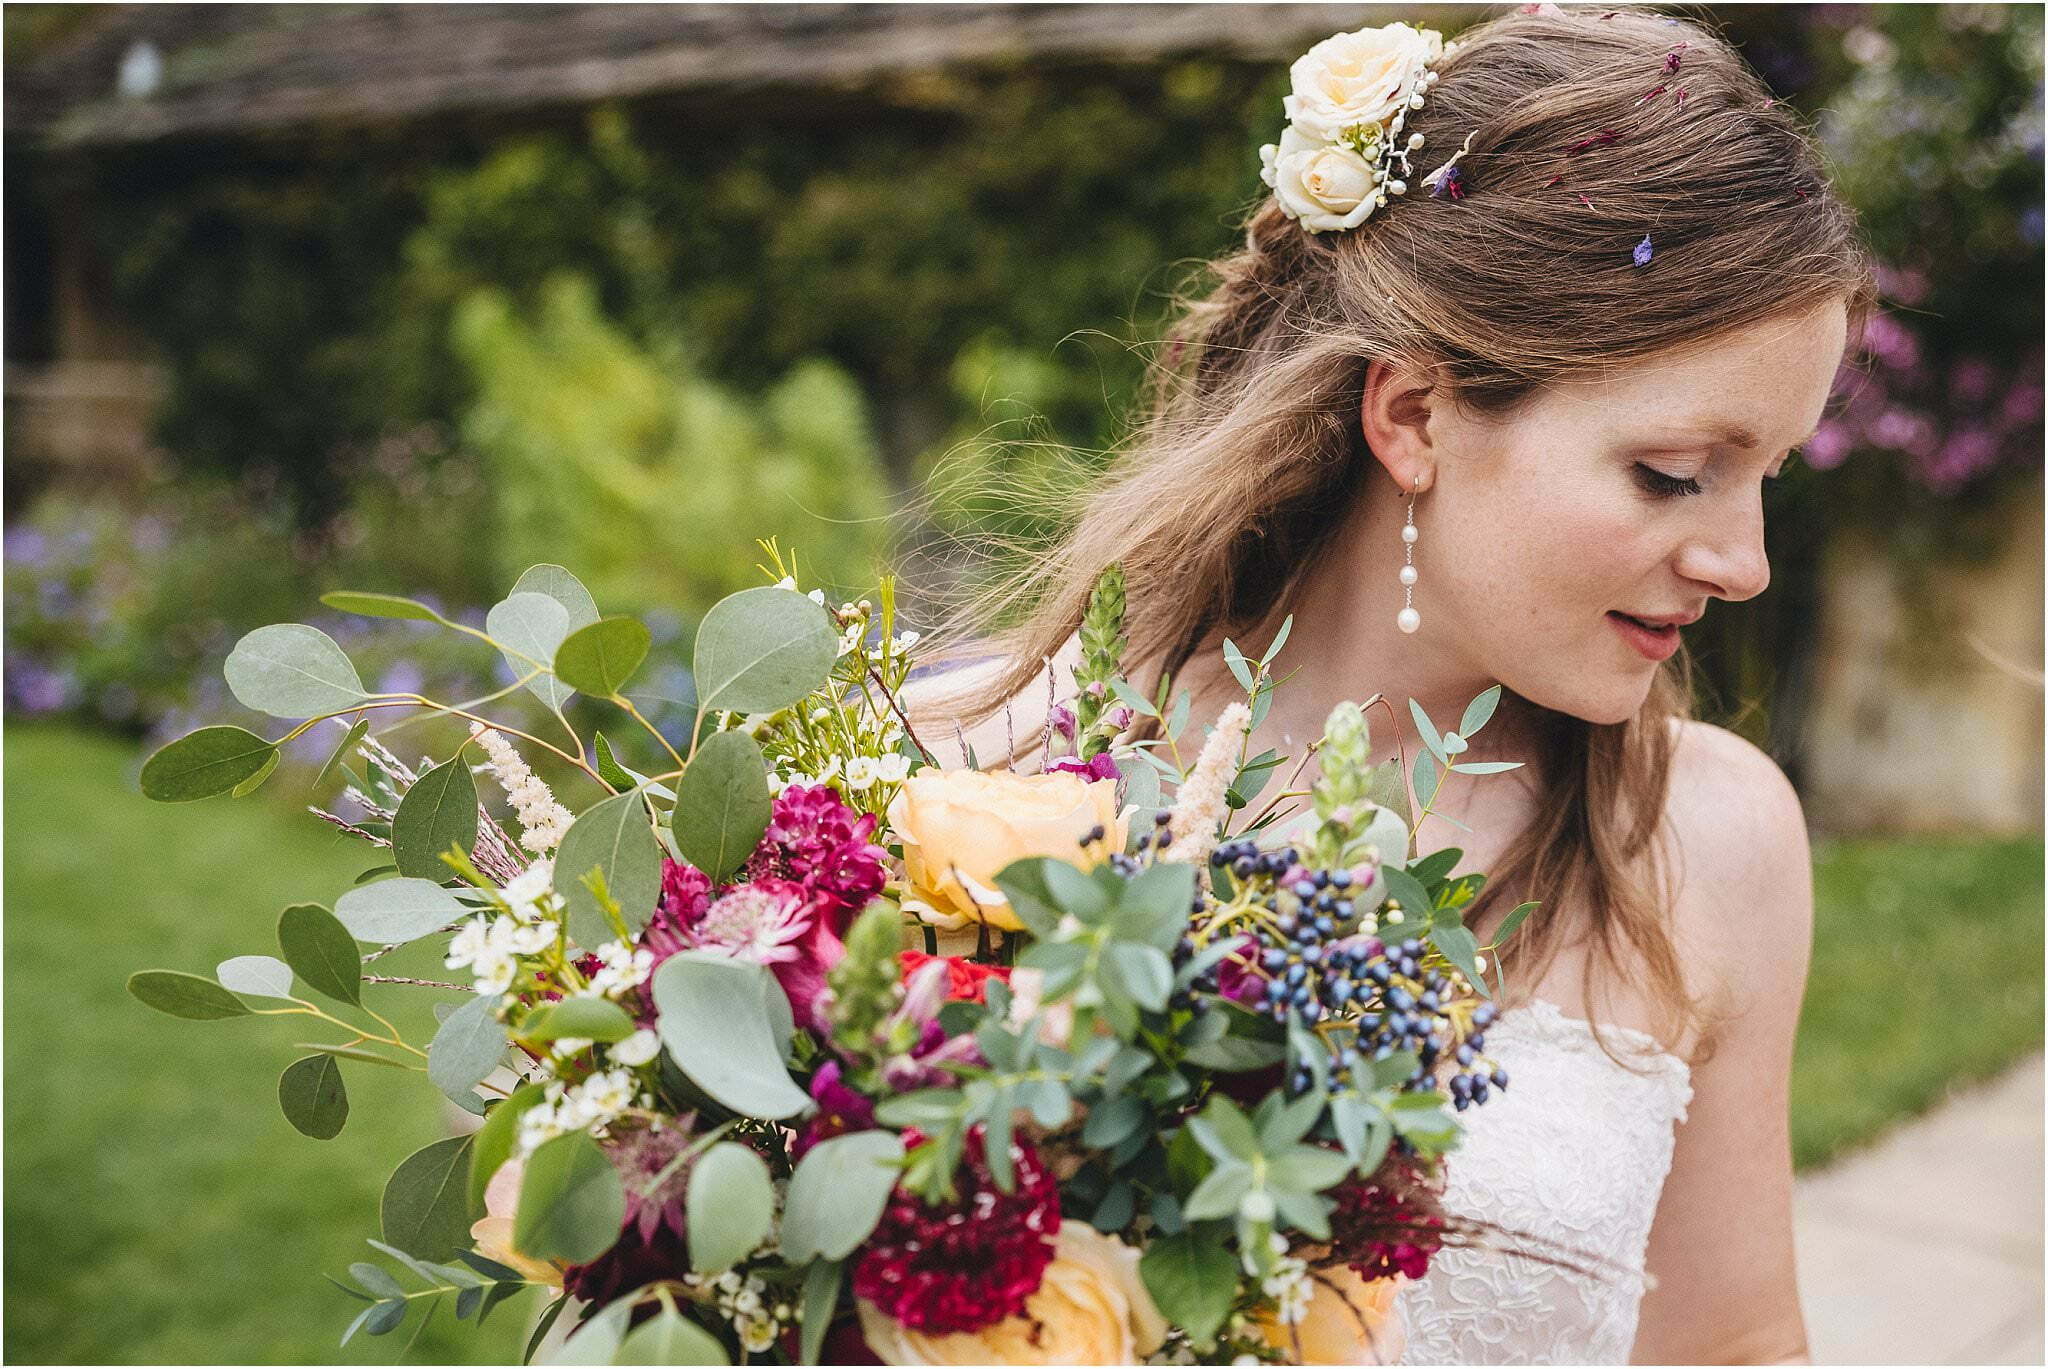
column 408, row 297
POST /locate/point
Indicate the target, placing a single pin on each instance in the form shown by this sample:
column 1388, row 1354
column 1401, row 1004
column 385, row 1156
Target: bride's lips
column 1656, row 638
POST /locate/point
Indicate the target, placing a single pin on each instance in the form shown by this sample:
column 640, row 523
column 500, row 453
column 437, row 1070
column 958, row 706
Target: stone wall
column 1926, row 712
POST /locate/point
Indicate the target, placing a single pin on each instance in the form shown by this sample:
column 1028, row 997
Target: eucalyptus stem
column 421, row 983
column 627, row 704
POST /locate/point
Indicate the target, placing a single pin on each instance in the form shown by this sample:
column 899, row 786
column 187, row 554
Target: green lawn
column 1926, row 973
column 160, row 1210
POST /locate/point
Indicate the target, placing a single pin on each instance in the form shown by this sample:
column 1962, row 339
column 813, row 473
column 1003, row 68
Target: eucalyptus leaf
column 571, row 1201
column 1193, row 1281
column 314, row 1100
column 669, row 1337
column 259, row 976
column 529, row 627
column 1427, row 731
column 1461, row 949
column 837, row 1194
column 201, row 764
column 615, row 837
column 719, row 1022
column 368, row 605
column 437, row 812
column 398, row 910
column 763, row 649
column 591, row 1019
column 321, row 951
column 350, row 740
column 255, row 781
column 466, row 1047
column 558, row 584
column 1486, row 767
column 1478, row 712
column 820, row 1299
column 289, row 670
column 426, row 1209
column 608, row 767
column 600, row 658
column 596, row 1341
column 1405, row 889
column 1429, row 777
column 185, row 995
column 496, row 1137
column 730, row 1207
column 1143, row 972
column 722, row 804
column 1512, row 921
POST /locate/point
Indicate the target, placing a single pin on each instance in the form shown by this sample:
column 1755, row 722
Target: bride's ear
column 1395, row 417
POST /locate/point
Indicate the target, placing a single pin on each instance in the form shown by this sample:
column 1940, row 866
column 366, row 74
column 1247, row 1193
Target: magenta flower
column 817, row 840
column 840, row 1109
column 1100, row 766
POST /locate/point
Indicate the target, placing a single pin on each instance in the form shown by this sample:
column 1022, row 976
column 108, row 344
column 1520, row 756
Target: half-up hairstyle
column 1583, row 138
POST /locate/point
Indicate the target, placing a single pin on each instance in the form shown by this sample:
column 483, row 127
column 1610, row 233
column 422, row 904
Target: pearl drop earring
column 1408, row 620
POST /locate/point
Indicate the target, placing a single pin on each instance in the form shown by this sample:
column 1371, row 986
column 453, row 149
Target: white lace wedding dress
column 1575, row 1153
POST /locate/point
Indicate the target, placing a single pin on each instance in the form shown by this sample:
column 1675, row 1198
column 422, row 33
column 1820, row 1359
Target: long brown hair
column 1584, row 138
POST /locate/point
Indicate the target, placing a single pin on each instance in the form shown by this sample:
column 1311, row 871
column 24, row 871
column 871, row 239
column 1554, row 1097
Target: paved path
column 1926, row 1247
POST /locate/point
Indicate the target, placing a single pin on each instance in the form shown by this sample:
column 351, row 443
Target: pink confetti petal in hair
column 1643, row 251
column 1768, row 103
column 1552, row 181
column 1604, row 136
column 1651, row 94
column 1583, row 200
column 1673, row 57
column 1678, row 96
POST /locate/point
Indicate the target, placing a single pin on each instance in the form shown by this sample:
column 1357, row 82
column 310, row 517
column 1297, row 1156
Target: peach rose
column 493, row 1232
column 1359, row 78
column 959, row 828
column 1349, row 1320
column 1091, row 1308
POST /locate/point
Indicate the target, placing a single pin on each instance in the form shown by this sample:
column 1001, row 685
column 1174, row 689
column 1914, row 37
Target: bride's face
column 1575, row 537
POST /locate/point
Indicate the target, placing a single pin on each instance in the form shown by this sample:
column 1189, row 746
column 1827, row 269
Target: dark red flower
column 1391, row 1224
column 1600, row 139
column 632, row 1263
column 966, row 980
column 969, row 1263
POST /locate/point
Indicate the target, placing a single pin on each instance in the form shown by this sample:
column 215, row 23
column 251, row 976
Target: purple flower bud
column 1120, row 717
column 1062, row 721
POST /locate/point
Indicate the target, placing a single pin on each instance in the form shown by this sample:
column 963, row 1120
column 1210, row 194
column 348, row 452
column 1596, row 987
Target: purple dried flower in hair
column 1449, row 186
column 1644, row 251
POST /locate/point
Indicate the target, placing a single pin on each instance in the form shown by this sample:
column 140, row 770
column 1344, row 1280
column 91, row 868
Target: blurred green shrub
column 649, row 480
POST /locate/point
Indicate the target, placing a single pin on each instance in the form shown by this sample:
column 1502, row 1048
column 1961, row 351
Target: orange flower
column 959, row 828
column 1348, row 1321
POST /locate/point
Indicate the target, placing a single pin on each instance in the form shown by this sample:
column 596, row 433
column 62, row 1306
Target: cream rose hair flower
column 1343, row 151
column 1365, row 77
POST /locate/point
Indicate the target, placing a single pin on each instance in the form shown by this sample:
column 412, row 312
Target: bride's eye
column 1662, row 486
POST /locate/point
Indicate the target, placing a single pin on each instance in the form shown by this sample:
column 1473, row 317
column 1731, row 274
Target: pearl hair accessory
column 1408, row 620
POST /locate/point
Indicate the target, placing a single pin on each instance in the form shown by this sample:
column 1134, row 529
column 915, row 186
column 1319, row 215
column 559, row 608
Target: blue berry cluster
column 1318, row 966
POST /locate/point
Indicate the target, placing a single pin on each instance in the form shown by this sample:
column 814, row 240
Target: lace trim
column 1649, row 1058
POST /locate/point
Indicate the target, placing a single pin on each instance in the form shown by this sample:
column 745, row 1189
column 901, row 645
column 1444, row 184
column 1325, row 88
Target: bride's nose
column 1725, row 554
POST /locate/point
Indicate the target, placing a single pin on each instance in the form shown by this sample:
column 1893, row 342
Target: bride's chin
column 1606, row 707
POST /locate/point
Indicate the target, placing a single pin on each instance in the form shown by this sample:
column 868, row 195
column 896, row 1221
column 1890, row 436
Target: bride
column 1597, row 301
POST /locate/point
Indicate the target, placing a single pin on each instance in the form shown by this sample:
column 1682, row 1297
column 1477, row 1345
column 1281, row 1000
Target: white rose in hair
column 1325, row 186
column 1359, row 78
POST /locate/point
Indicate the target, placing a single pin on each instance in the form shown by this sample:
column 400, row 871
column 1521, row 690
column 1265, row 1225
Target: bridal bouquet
column 798, row 1047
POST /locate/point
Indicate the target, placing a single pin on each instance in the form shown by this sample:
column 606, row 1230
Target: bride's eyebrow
column 1721, row 435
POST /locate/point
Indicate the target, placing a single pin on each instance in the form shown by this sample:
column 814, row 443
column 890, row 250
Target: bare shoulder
column 1744, row 865
column 939, row 705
